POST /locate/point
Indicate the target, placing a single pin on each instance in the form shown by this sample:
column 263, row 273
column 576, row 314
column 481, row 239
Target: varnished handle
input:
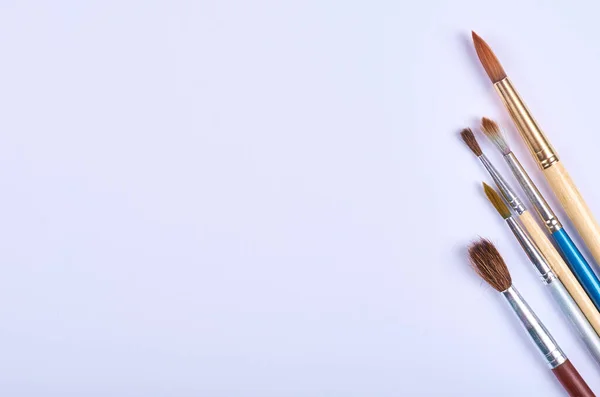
column 570, row 379
column 562, row 271
column 575, row 207
column 540, row 238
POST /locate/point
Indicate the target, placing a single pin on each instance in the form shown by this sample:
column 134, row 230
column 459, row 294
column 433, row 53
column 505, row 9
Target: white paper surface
column 269, row 198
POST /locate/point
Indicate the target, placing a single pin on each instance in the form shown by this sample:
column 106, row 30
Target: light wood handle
column 575, row 207
column 560, row 268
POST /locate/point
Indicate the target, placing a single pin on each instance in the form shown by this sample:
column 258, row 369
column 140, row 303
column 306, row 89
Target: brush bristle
column 488, row 263
column 496, row 201
column 469, row 138
column 491, row 129
column 489, row 61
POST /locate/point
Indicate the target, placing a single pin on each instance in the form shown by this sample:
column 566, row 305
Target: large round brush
column 541, row 150
column 488, row 263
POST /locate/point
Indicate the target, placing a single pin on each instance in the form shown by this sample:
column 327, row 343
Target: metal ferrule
column 533, row 252
column 570, row 309
column 537, row 142
column 507, row 192
column 534, row 195
column 538, row 333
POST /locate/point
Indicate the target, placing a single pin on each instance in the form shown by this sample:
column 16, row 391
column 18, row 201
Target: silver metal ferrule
column 533, row 194
column 539, row 334
column 533, row 252
column 507, row 192
column 570, row 309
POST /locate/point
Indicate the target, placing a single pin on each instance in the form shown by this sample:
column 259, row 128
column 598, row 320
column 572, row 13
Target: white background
column 269, row 198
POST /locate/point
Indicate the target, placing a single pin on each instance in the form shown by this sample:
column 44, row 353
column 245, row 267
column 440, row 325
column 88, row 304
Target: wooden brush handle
column 575, row 207
column 562, row 271
column 540, row 238
column 570, row 379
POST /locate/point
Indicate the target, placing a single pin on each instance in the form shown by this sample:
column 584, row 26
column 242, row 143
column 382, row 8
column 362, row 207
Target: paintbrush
column 566, row 303
column 541, row 150
column 571, row 253
column 488, row 263
column 511, row 197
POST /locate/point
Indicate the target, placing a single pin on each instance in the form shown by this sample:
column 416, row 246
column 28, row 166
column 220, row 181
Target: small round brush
column 509, row 194
column 567, row 247
column 566, row 303
column 489, row 265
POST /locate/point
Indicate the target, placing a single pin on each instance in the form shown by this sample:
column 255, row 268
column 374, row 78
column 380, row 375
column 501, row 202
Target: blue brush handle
column 581, row 269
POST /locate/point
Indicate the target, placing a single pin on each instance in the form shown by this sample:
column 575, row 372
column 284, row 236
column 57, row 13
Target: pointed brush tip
column 476, row 38
column 488, row 59
column 496, row 201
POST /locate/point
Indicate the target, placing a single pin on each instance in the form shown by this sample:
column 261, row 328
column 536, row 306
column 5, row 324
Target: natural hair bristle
column 491, row 129
column 469, row 138
column 488, row 263
column 496, row 201
column 488, row 59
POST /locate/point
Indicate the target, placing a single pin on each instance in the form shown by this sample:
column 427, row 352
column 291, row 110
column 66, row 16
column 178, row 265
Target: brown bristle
column 491, row 129
column 496, row 201
column 488, row 263
column 489, row 61
column 469, row 138
column 489, row 126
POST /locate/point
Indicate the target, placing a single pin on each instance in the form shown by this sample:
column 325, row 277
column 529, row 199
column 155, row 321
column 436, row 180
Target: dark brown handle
column 573, row 383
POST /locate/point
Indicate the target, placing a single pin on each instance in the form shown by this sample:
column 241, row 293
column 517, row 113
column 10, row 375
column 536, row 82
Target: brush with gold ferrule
column 541, row 150
column 560, row 294
column 489, row 265
column 567, row 247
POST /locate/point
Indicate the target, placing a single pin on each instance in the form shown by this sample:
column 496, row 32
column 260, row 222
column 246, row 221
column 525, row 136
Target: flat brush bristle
column 469, row 138
column 491, row 129
column 488, row 263
column 489, row 61
column 496, row 201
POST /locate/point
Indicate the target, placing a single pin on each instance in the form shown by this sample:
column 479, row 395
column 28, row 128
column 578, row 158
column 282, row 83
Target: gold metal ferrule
column 539, row 146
